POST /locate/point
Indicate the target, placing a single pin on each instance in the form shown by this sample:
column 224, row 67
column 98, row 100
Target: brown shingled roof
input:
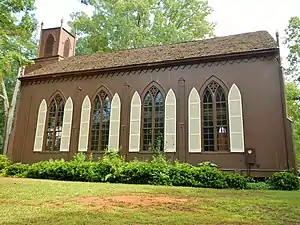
column 239, row 43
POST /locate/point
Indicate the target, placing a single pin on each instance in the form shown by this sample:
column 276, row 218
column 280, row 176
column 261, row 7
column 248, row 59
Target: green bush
column 207, row 164
column 17, row 169
column 236, row 181
column 112, row 168
column 210, row 177
column 258, row 186
column 183, row 174
column 284, row 181
column 4, row 162
column 155, row 172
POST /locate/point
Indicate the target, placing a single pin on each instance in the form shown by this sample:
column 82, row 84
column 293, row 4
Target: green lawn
column 26, row 201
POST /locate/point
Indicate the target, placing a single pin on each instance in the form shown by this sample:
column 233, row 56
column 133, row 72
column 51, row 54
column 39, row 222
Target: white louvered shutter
column 194, row 121
column 170, row 122
column 135, row 123
column 84, row 125
column 114, row 124
column 40, row 127
column 67, row 126
column 236, row 120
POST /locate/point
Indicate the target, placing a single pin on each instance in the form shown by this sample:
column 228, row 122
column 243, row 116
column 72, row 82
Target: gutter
column 153, row 65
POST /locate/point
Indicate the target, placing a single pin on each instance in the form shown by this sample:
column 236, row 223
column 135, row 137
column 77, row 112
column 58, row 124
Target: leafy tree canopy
column 292, row 40
column 17, row 24
column 118, row 24
column 293, row 107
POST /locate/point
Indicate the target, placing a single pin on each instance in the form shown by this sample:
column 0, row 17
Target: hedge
column 112, row 168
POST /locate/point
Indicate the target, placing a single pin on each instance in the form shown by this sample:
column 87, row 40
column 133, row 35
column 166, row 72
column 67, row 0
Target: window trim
column 67, row 41
column 226, row 91
column 240, row 100
column 110, row 96
column 39, row 114
column 47, row 54
column 58, row 92
column 87, row 100
column 135, row 96
column 143, row 95
column 71, row 109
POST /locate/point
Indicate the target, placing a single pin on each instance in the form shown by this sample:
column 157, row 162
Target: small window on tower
column 67, row 48
column 49, row 45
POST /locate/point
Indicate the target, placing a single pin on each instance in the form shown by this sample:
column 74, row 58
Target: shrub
column 234, row 180
column 256, row 179
column 258, row 186
column 4, row 162
column 207, row 164
column 155, row 172
column 182, row 174
column 284, row 181
column 112, row 168
column 210, row 177
column 17, row 169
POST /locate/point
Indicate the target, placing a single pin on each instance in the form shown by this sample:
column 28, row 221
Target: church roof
column 213, row 47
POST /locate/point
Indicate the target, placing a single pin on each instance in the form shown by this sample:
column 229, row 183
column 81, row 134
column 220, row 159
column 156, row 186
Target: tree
column 17, row 24
column 293, row 108
column 292, row 40
column 117, row 24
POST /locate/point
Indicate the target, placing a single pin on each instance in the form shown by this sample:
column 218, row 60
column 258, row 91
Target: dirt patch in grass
column 97, row 202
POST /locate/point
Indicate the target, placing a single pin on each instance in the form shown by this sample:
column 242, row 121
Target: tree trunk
column 11, row 111
column 5, row 98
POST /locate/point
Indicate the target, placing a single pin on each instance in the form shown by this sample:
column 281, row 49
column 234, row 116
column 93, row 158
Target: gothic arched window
column 67, row 48
column 215, row 118
column 153, row 120
column 55, row 122
column 49, row 45
column 100, row 118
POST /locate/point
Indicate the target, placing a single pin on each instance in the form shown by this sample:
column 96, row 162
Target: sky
column 230, row 16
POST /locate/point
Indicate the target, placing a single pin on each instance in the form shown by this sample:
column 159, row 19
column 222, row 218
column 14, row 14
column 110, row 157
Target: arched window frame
column 110, row 96
column 52, row 98
column 67, row 47
column 135, row 123
column 40, row 126
column 46, row 53
column 84, row 130
column 225, row 89
column 236, row 121
column 143, row 96
column 67, row 125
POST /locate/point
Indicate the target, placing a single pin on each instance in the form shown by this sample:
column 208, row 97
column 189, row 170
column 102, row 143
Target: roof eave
column 229, row 56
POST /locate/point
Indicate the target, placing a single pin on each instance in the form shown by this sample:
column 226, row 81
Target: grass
column 27, row 201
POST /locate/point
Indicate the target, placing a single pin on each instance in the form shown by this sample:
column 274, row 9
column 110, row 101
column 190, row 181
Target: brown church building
column 219, row 100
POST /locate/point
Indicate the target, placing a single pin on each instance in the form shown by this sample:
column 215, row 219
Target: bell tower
column 55, row 44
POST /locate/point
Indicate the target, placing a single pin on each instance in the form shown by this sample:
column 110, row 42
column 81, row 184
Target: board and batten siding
column 114, row 123
column 170, row 122
column 67, row 126
column 194, row 122
column 40, row 127
column 84, row 125
column 235, row 110
column 135, row 123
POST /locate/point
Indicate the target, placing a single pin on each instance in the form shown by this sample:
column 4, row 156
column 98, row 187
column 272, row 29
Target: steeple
column 55, row 44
